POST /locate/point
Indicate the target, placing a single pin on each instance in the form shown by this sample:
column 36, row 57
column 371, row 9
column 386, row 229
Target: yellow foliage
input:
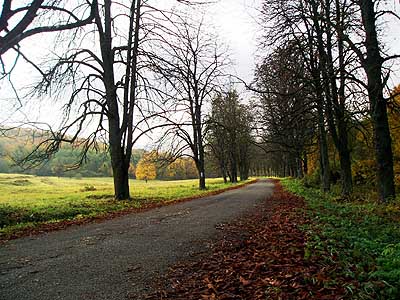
column 364, row 171
column 182, row 168
column 364, row 167
column 145, row 170
column 175, row 168
column 313, row 159
column 363, row 153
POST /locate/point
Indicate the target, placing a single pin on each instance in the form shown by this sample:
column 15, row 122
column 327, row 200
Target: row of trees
column 144, row 68
column 147, row 68
column 230, row 136
column 153, row 166
column 324, row 75
column 144, row 165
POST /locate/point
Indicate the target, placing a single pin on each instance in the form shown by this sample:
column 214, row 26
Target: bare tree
column 19, row 21
column 289, row 22
column 107, row 82
column 372, row 62
column 190, row 67
column 340, row 38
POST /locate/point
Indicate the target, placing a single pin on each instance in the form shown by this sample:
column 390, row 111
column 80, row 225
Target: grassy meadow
column 28, row 201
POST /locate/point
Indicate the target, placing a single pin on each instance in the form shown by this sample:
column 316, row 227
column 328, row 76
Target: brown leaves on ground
column 260, row 257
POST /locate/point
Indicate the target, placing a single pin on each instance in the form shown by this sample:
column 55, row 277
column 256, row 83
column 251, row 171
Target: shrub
column 88, row 188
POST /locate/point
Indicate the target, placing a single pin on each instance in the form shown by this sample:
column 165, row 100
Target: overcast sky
column 236, row 23
column 234, row 20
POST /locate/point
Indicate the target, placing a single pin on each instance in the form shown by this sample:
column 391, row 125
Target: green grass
column 28, row 201
column 362, row 237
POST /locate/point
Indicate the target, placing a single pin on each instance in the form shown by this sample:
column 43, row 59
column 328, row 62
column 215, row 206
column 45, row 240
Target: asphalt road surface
column 119, row 258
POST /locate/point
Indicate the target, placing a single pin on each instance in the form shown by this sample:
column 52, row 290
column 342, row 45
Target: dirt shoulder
column 119, row 258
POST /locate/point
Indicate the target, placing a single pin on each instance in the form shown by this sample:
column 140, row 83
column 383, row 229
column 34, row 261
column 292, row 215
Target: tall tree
column 373, row 64
column 334, row 75
column 190, row 67
column 290, row 24
column 341, row 37
column 370, row 55
column 100, row 91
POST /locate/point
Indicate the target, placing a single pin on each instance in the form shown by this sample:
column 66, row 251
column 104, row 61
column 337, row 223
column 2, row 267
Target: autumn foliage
column 261, row 256
column 146, row 168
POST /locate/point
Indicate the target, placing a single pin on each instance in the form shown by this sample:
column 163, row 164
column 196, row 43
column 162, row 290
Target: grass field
column 28, row 201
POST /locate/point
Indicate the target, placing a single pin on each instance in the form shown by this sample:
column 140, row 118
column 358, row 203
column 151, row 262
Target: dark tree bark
column 287, row 123
column 12, row 33
column 200, row 162
column 378, row 105
column 120, row 153
column 233, row 167
column 96, row 92
column 334, row 96
column 305, row 164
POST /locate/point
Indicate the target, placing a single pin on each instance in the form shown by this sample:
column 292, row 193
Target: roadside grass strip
column 361, row 237
column 33, row 204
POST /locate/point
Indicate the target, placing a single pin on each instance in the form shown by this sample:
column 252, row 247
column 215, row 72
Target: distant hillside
column 17, row 143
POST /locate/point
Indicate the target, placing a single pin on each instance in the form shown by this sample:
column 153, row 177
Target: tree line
column 144, row 165
column 325, row 77
column 142, row 67
column 322, row 81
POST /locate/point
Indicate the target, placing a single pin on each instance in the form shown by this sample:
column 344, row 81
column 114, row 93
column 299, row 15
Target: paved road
column 119, row 258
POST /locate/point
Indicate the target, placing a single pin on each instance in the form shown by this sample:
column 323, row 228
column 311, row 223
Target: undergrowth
column 361, row 236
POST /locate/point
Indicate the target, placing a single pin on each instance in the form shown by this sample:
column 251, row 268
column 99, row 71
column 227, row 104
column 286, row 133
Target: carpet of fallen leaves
column 261, row 256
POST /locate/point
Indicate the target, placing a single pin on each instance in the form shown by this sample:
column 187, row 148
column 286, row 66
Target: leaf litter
column 261, row 256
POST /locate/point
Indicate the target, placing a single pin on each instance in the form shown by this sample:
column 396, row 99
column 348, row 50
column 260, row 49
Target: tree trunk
column 319, row 69
column 233, row 167
column 345, row 161
column 300, row 173
column 305, row 164
column 202, row 174
column 202, row 178
column 121, row 180
column 119, row 163
column 233, row 161
column 244, row 175
column 343, row 147
column 244, row 168
column 223, row 171
column 323, row 150
column 373, row 67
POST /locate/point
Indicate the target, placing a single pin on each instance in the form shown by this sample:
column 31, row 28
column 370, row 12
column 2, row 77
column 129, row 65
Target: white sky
column 234, row 20
column 236, row 23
